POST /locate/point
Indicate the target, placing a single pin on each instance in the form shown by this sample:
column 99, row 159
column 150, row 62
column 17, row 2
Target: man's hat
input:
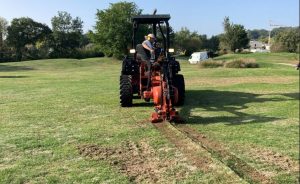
column 151, row 36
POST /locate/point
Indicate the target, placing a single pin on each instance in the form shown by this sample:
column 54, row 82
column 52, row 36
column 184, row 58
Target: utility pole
column 272, row 25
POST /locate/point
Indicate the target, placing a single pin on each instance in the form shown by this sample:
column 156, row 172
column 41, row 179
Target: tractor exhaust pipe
column 154, row 12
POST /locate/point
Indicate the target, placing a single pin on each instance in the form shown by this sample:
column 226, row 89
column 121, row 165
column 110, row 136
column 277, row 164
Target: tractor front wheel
column 126, row 93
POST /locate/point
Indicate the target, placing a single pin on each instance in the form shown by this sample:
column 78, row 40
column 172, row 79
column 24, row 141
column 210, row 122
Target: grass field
column 57, row 117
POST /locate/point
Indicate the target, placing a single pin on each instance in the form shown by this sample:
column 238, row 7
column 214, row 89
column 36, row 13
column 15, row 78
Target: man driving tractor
column 149, row 44
column 146, row 51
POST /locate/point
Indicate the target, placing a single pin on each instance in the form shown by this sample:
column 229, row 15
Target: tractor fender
column 129, row 66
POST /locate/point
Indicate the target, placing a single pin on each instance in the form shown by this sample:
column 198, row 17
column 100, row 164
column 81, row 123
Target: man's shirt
column 148, row 43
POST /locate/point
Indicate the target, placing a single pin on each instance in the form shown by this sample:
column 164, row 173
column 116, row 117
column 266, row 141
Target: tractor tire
column 179, row 84
column 126, row 94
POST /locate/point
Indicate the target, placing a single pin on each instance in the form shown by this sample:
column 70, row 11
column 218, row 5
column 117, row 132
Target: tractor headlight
column 132, row 51
column 171, row 50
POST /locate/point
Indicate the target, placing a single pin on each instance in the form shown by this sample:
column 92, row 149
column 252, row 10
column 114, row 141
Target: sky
column 205, row 17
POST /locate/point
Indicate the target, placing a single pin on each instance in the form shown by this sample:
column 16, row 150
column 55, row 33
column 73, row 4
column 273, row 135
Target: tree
column 189, row 42
column 3, row 32
column 287, row 40
column 23, row 31
column 181, row 38
column 113, row 30
column 278, row 30
column 64, row 23
column 67, row 34
column 257, row 34
column 213, row 43
column 235, row 36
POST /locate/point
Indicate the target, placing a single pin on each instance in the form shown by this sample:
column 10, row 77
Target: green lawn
column 49, row 108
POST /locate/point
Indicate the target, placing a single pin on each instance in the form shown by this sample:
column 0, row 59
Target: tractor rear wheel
column 179, row 84
column 126, row 93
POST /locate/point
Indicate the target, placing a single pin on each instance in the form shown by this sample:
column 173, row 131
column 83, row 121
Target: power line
column 271, row 24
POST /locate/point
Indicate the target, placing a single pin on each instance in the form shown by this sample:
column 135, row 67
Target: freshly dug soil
column 140, row 162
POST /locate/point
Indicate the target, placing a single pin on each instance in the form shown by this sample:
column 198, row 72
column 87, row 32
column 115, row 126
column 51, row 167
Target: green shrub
column 278, row 47
column 7, row 54
column 87, row 53
column 235, row 63
column 222, row 52
column 211, row 64
column 241, row 63
column 77, row 53
column 245, row 52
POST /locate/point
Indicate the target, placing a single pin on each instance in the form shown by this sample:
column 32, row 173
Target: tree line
column 283, row 39
column 25, row 39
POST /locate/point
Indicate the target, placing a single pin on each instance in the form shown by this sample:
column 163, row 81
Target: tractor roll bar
column 153, row 20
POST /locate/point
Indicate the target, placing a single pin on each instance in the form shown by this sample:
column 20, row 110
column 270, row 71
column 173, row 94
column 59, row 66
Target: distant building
column 257, row 46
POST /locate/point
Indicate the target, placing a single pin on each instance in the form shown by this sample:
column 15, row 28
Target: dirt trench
column 140, row 162
column 239, row 166
column 197, row 155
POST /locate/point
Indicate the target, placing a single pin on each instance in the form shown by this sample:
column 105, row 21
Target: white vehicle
column 196, row 57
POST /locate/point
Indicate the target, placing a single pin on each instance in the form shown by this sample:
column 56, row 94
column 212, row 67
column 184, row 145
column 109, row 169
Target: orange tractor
column 158, row 81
